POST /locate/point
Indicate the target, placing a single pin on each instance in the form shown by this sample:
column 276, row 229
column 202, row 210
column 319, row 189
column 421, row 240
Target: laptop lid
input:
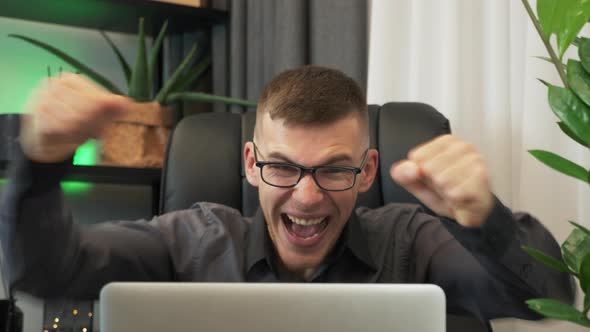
column 260, row 307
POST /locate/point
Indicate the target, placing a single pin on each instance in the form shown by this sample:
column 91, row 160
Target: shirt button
column 525, row 270
column 492, row 241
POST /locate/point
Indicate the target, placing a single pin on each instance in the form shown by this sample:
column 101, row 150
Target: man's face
column 305, row 222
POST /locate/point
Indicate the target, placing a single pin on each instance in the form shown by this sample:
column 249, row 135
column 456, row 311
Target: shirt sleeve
column 48, row 255
column 485, row 272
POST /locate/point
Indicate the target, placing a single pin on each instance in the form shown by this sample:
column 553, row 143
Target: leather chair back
column 204, row 161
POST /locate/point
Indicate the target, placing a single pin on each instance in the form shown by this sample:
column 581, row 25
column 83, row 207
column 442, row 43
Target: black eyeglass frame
column 310, row 170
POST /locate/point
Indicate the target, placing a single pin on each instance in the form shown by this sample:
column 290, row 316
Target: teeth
column 305, row 222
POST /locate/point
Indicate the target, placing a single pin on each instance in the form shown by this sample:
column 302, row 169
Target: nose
column 307, row 193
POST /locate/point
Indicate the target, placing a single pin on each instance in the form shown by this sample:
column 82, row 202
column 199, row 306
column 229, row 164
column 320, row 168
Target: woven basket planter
column 139, row 139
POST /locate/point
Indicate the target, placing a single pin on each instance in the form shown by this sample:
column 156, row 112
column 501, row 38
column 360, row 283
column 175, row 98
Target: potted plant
column 140, row 138
column 571, row 104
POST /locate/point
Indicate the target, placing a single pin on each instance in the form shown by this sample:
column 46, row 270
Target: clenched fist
column 450, row 177
column 63, row 113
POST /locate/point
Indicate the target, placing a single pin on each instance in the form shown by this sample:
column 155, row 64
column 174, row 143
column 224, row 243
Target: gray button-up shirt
column 483, row 271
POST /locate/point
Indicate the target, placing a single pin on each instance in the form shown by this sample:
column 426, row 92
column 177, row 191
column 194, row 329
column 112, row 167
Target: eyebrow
column 332, row 160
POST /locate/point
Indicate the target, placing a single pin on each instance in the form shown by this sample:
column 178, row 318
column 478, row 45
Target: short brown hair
column 312, row 95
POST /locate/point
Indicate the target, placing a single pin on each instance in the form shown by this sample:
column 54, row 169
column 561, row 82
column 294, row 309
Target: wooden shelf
column 113, row 15
column 107, row 174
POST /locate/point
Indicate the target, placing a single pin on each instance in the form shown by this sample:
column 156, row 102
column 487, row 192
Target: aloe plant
column 140, row 76
column 571, row 104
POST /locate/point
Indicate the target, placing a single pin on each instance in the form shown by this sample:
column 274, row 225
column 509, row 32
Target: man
column 309, row 159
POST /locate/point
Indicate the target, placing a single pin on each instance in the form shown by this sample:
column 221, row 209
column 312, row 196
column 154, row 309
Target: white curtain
column 474, row 61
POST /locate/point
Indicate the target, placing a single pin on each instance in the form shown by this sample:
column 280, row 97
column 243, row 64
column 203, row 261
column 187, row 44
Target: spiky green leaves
column 139, row 86
column 84, row 69
column 140, row 78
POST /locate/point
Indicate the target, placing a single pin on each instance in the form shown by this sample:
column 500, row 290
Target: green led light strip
column 75, row 187
column 68, row 187
column 86, row 155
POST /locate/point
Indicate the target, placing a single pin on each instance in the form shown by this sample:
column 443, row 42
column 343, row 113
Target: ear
column 367, row 176
column 250, row 164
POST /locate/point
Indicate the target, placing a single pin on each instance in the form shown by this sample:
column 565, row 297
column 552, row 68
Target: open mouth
column 304, row 228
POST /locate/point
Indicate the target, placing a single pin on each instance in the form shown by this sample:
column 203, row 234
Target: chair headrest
column 204, row 160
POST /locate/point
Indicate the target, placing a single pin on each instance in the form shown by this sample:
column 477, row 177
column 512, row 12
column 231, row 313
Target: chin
column 299, row 260
column 302, row 241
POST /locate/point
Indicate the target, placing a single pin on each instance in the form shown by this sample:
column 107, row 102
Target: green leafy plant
column 140, row 78
column 564, row 19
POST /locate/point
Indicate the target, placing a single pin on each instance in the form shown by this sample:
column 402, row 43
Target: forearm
column 34, row 225
column 500, row 241
column 48, row 254
column 513, row 276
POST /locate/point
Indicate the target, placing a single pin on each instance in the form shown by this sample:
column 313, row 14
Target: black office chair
column 204, row 162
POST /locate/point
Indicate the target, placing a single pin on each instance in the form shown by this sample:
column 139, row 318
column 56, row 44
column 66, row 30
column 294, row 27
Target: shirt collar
column 356, row 240
column 353, row 238
column 259, row 243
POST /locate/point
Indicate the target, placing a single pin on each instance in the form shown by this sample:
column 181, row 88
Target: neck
column 287, row 275
column 308, row 274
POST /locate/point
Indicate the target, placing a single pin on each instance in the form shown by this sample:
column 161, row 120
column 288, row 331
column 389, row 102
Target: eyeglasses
column 287, row 175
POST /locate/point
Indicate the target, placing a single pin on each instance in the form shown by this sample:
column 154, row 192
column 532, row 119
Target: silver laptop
column 279, row 307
